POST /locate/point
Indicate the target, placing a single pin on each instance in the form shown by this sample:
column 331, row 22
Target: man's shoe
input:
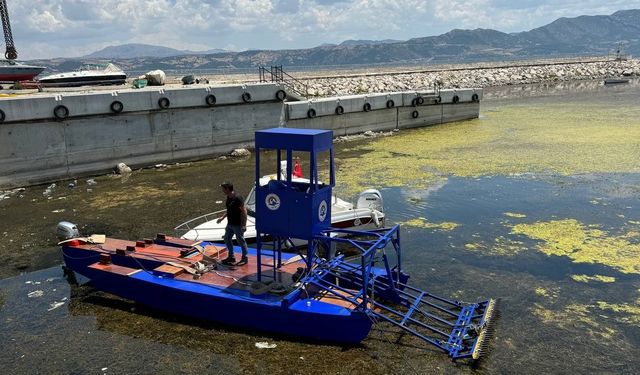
column 242, row 261
column 229, row 261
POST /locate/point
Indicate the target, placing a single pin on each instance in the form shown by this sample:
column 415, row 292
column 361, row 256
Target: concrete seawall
column 50, row 137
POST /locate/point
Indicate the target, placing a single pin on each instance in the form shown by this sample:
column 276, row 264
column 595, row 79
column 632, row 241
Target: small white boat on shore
column 367, row 213
column 93, row 74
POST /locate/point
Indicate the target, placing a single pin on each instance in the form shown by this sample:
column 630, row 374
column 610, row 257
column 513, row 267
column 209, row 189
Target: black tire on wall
column 116, row 106
column 390, row 103
column 456, row 99
column 210, row 100
column 281, row 95
column 475, row 98
column 420, row 100
column 339, row 110
column 415, row 114
column 246, row 97
column 164, row 103
column 3, row 116
column 311, row 113
column 366, row 107
column 61, row 112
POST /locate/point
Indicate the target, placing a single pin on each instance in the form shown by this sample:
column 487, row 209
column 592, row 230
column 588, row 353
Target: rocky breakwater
column 471, row 77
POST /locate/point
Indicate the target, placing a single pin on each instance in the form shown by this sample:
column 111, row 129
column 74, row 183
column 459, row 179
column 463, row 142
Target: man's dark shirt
column 234, row 210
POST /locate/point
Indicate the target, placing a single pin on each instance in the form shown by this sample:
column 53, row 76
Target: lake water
column 536, row 203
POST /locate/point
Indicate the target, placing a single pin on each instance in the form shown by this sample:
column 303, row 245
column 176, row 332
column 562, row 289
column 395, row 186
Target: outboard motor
column 67, row 231
column 370, row 198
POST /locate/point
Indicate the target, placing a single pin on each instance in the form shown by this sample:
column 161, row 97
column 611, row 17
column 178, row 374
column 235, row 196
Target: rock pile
column 472, row 77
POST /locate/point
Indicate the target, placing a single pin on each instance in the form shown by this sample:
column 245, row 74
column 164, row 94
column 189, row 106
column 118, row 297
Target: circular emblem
column 357, row 222
column 322, row 211
column 272, row 201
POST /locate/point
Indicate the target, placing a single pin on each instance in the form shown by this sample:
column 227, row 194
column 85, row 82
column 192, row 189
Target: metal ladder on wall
column 278, row 75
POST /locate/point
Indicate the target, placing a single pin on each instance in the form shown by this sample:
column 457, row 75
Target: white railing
column 193, row 223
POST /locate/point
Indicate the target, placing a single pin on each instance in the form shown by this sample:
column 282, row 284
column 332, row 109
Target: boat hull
column 19, row 76
column 291, row 315
column 84, row 81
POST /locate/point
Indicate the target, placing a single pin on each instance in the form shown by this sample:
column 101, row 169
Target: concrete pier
column 46, row 137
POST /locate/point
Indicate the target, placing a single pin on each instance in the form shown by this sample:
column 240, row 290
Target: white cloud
column 47, row 28
column 48, row 20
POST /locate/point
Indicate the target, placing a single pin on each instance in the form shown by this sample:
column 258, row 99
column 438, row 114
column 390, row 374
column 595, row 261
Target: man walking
column 236, row 224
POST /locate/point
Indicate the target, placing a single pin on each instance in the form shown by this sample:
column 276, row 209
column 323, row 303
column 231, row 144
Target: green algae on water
column 571, row 316
column 501, row 247
column 583, row 244
column 515, row 215
column 422, row 222
column 626, row 313
column 567, row 139
column 547, row 293
column 597, row 278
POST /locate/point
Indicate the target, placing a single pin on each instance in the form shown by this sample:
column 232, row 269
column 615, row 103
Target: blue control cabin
column 287, row 209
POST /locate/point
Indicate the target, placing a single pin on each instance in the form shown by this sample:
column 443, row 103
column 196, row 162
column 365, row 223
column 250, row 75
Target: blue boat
column 332, row 290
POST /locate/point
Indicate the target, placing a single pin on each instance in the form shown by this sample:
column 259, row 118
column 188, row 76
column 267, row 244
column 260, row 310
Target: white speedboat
column 367, row 213
column 12, row 71
column 95, row 74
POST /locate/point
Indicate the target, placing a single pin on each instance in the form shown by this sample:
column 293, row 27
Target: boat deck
column 175, row 258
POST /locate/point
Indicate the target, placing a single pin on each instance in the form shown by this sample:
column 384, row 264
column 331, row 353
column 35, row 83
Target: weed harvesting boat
column 320, row 293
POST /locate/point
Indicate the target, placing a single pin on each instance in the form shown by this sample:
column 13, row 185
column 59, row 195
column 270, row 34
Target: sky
column 72, row 28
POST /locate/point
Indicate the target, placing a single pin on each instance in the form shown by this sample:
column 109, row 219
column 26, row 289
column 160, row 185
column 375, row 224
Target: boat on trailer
column 318, row 293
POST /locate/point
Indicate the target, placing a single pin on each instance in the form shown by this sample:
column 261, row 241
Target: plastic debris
column 160, row 165
column 58, row 211
column 188, row 80
column 54, row 305
column 265, row 345
column 91, row 181
column 155, row 78
column 49, row 190
column 122, row 168
column 240, row 152
column 35, row 294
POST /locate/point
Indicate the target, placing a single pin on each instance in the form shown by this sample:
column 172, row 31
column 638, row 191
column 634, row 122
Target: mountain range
column 134, row 50
column 583, row 35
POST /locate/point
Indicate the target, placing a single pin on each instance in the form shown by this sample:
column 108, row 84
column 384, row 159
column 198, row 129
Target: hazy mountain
column 584, row 35
column 134, row 50
column 351, row 42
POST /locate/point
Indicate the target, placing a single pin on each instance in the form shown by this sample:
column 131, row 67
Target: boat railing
column 195, row 222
